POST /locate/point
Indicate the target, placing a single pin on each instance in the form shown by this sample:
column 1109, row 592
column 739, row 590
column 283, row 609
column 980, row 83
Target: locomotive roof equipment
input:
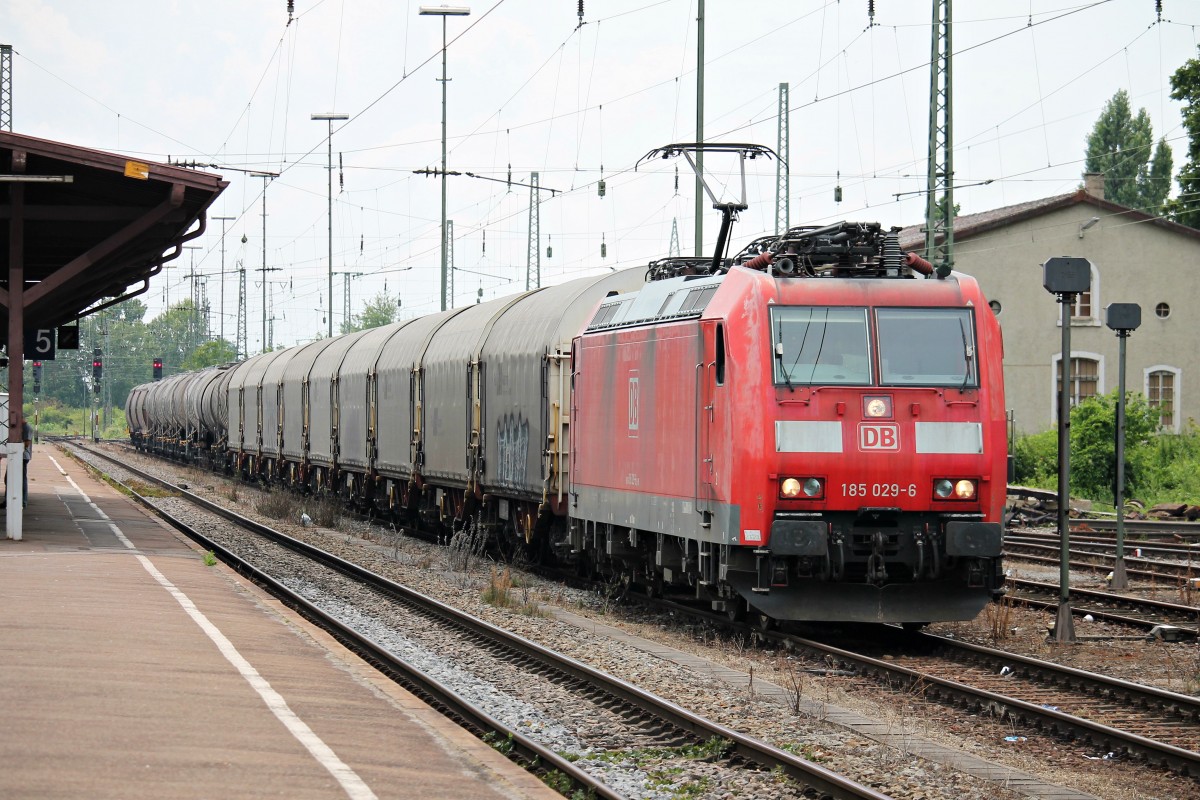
column 729, row 211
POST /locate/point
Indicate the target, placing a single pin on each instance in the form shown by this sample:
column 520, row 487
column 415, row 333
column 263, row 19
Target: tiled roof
column 912, row 237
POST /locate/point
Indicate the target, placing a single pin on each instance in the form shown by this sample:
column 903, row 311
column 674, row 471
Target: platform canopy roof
column 85, row 228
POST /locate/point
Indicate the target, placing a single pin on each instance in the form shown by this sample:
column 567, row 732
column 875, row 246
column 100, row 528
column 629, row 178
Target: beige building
column 1135, row 258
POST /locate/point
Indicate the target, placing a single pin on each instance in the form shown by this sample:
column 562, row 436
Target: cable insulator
column 919, row 264
column 760, row 261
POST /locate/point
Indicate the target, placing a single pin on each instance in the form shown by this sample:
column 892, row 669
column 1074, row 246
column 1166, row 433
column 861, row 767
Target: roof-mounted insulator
column 891, row 257
column 918, row 264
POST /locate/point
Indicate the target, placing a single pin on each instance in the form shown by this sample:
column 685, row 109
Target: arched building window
column 1162, row 393
column 1085, row 378
column 1085, row 310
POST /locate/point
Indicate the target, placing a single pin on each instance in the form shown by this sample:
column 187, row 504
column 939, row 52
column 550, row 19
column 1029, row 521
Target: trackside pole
column 14, row 515
column 1124, row 318
column 1065, row 277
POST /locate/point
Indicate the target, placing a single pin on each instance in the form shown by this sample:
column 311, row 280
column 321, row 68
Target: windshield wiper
column 968, row 354
column 779, row 331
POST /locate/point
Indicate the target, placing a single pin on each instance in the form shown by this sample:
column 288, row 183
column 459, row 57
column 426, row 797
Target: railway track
column 1096, row 559
column 1125, row 609
column 627, row 715
column 1141, row 528
column 1093, row 542
column 1113, row 715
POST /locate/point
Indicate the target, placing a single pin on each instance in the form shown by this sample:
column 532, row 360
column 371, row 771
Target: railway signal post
column 1124, row 318
column 1065, row 277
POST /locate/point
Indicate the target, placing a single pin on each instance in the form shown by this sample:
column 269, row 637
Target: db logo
column 878, row 436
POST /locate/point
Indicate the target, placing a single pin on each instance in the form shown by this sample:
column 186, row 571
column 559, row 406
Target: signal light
column 97, row 370
column 158, row 369
column 37, row 377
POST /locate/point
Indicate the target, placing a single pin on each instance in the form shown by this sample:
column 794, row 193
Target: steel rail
column 1109, row 738
column 1182, row 616
column 1172, row 570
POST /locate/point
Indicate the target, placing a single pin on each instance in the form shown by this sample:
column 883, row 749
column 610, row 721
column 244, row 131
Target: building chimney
column 1093, row 184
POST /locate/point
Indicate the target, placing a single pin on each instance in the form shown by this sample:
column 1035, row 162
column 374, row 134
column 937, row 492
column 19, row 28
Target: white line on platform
column 354, row 786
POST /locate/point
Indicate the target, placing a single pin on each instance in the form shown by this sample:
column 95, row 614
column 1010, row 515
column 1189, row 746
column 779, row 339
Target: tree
column 379, row 311
column 1119, row 146
column 210, row 354
column 1185, row 87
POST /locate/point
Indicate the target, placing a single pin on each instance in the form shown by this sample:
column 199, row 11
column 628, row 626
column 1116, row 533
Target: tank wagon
column 811, row 430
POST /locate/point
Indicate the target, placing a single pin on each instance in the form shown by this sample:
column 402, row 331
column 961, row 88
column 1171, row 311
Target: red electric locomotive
column 816, row 434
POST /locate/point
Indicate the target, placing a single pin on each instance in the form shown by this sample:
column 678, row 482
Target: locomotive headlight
column 955, row 489
column 877, row 407
column 803, row 488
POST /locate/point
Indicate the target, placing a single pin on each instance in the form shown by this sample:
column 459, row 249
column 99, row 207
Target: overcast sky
column 234, row 83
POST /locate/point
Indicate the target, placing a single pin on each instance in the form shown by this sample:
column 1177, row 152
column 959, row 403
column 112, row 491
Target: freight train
column 813, row 429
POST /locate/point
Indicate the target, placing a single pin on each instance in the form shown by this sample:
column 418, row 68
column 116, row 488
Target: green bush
column 1094, row 444
column 1035, row 459
column 1158, row 468
column 53, row 419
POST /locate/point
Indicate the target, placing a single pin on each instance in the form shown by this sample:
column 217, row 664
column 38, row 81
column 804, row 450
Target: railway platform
column 132, row 668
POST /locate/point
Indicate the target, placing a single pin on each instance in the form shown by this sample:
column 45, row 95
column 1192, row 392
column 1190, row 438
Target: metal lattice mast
column 449, row 263
column 346, row 276
column 939, row 188
column 533, row 270
column 6, row 87
column 673, row 250
column 783, row 181
column 242, row 352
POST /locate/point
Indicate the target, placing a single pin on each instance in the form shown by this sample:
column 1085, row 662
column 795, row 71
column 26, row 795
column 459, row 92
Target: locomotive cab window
column 927, row 347
column 821, row 345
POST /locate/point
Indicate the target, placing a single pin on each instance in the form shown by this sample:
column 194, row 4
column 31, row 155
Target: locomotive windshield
column 926, row 347
column 821, row 345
